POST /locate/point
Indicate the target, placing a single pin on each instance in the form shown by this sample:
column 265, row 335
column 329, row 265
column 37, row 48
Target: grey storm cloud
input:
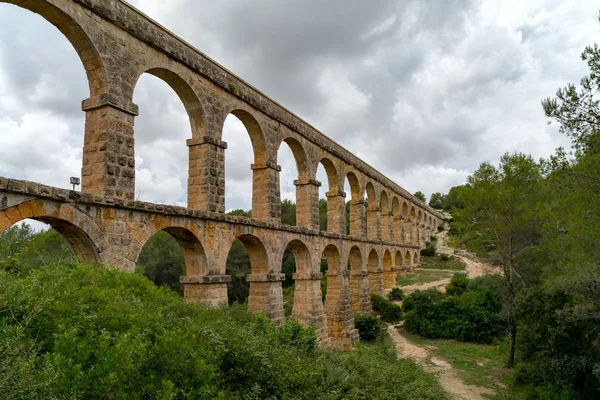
column 423, row 90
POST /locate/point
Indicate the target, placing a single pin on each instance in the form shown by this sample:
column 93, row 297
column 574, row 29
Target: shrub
column 369, row 327
column 388, row 311
column 556, row 347
column 428, row 251
column 88, row 332
column 471, row 316
column 458, row 285
column 440, row 228
column 444, row 257
column 395, row 294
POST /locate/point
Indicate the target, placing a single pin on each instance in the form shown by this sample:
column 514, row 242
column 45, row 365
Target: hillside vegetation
column 75, row 331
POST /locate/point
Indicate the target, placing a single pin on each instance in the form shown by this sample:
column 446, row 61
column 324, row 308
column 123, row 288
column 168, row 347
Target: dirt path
column 473, row 268
column 448, row 377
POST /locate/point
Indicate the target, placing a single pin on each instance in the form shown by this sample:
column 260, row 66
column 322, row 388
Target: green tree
column 288, row 213
column 421, row 196
column 437, row 200
column 451, row 200
column 238, row 266
column 161, row 260
column 500, row 204
column 323, row 214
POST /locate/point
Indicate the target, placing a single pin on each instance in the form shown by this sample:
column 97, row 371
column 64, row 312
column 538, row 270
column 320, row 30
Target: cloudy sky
column 422, row 90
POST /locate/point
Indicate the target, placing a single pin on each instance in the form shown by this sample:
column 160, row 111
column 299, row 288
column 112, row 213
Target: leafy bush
column 395, row 294
column 444, row 257
column 458, row 285
column 369, row 327
column 388, row 311
column 440, row 228
column 429, row 250
column 470, row 316
column 555, row 347
column 88, row 332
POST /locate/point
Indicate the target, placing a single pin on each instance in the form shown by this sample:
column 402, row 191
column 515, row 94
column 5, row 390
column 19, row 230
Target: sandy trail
column 448, row 377
column 473, row 268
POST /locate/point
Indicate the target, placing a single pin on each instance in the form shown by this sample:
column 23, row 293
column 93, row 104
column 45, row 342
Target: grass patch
column 450, row 263
column 423, row 276
column 477, row 364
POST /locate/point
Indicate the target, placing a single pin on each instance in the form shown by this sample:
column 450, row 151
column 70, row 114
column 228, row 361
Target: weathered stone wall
column 114, row 231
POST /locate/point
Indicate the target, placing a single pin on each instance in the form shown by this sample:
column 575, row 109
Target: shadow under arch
column 376, row 281
column 359, row 282
column 388, row 270
column 398, row 262
column 76, row 35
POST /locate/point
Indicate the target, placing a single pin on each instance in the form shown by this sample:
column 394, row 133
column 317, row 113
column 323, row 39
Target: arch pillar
column 266, row 205
column 422, row 236
column 398, row 229
column 206, row 175
column 399, row 266
column 336, row 211
column 308, row 301
column 266, row 294
column 358, row 227
column 208, row 289
column 359, row 291
column 108, row 167
column 387, row 226
column 374, row 224
column 408, row 231
column 307, row 203
column 416, row 239
column 376, row 281
column 338, row 308
column 389, row 277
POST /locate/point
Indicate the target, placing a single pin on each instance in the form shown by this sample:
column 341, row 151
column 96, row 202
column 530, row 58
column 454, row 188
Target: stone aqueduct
column 117, row 44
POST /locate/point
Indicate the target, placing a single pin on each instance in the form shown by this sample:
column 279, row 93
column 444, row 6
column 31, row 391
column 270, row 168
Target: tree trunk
column 510, row 362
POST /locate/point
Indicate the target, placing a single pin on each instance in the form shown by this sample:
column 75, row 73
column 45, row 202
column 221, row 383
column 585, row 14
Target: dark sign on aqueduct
column 117, row 44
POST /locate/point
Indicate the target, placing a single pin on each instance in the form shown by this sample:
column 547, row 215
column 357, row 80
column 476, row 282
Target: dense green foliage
column 387, row 310
column 430, row 249
column 421, row 196
column 89, row 332
column 21, row 248
column 448, row 201
column 369, row 327
column 395, row 294
column 469, row 311
column 161, row 261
